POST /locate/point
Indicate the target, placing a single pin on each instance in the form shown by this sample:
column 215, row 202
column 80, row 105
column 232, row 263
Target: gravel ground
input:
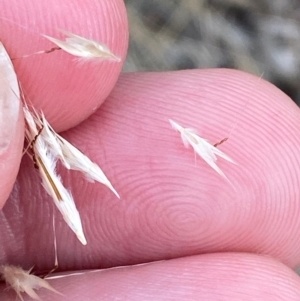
column 259, row 36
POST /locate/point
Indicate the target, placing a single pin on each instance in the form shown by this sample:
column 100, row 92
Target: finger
column 67, row 91
column 11, row 132
column 216, row 277
column 172, row 206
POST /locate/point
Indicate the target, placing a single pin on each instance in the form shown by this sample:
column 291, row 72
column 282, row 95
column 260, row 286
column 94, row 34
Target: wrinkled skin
column 237, row 241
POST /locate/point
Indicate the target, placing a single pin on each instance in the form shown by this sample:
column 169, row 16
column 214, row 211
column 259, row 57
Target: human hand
column 170, row 207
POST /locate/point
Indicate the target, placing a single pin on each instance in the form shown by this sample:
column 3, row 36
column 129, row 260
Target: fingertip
column 158, row 174
column 11, row 126
column 67, row 91
column 222, row 277
column 12, row 140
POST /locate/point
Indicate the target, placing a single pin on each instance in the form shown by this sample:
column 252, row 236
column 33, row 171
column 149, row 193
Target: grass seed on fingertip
column 201, row 146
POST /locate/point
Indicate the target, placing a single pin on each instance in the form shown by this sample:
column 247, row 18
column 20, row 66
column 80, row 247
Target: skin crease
column 171, row 205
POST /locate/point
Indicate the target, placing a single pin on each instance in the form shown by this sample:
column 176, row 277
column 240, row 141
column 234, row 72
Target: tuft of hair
column 22, row 281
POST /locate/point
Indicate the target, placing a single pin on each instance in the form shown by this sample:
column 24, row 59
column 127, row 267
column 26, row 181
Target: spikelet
column 84, row 48
column 47, row 147
column 72, row 158
column 22, row 281
column 202, row 147
column 45, row 161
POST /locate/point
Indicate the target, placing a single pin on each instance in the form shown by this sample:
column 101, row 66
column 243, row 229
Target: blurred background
column 258, row 36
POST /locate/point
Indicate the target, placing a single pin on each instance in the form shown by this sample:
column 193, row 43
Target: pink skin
column 67, row 91
column 171, row 205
